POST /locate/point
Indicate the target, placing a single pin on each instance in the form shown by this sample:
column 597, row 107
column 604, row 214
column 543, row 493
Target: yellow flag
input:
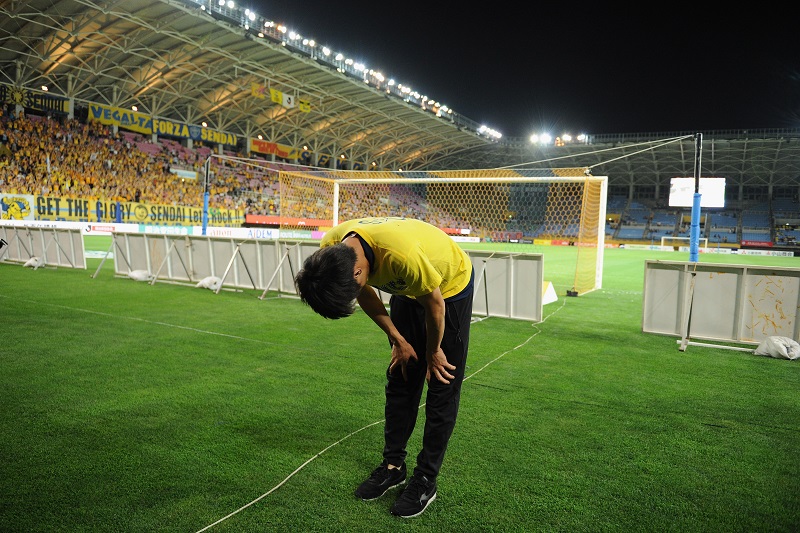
column 257, row 91
column 276, row 96
column 304, row 106
column 286, row 100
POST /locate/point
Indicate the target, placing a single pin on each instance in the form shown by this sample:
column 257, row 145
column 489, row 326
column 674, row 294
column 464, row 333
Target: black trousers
column 441, row 404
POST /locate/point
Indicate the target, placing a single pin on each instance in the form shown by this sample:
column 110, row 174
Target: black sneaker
column 415, row 498
column 381, row 480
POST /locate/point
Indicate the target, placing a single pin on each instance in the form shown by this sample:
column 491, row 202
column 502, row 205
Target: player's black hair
column 326, row 282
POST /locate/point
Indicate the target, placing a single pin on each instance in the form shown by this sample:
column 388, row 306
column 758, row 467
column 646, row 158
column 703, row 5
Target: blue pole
column 205, row 212
column 694, row 231
column 206, row 172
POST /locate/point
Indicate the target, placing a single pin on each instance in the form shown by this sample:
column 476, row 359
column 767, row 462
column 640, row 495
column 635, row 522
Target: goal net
column 508, row 210
column 682, row 243
column 520, row 210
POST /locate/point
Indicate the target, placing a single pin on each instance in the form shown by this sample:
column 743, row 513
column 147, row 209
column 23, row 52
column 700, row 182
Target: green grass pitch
column 127, row 407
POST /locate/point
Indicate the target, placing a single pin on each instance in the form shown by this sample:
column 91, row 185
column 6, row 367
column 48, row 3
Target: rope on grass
column 299, row 468
column 276, row 487
column 526, row 341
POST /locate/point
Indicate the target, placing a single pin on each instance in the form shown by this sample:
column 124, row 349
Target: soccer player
column 430, row 280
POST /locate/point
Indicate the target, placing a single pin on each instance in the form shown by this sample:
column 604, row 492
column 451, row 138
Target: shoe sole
column 382, row 493
column 421, row 511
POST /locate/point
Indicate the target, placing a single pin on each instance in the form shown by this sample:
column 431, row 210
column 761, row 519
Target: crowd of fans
column 47, row 156
column 76, row 160
column 67, row 158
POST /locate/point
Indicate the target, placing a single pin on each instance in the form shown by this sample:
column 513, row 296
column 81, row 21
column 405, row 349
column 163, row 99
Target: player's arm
column 438, row 367
column 372, row 305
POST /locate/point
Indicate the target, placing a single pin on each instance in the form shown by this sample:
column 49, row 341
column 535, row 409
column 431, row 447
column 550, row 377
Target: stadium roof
column 194, row 61
column 173, row 59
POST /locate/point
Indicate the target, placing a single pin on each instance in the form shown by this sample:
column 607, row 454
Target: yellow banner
column 140, row 123
column 280, row 150
column 259, row 91
column 114, row 116
column 276, row 96
column 91, row 210
column 16, row 207
column 286, row 100
column 33, row 99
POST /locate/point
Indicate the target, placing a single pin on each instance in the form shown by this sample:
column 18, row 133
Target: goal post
column 525, row 210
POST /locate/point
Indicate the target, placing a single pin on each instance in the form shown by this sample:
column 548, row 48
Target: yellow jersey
column 410, row 257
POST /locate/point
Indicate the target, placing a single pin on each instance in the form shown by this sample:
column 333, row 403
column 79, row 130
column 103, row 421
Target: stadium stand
column 52, row 156
column 723, row 227
column 663, row 223
column 786, row 208
column 87, row 159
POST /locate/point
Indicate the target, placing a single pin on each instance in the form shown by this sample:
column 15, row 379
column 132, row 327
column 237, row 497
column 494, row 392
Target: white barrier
column 716, row 302
column 506, row 285
column 59, row 247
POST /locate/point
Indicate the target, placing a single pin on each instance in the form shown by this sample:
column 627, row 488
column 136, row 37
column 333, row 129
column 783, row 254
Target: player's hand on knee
column 402, row 353
column 439, row 367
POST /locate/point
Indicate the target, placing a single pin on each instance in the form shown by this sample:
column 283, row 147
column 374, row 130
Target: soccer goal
column 525, row 210
column 519, row 210
column 682, row 243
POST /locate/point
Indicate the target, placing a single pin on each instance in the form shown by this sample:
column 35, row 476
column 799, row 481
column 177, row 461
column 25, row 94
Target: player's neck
column 362, row 263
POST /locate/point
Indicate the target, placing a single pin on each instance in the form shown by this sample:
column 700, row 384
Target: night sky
column 571, row 67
